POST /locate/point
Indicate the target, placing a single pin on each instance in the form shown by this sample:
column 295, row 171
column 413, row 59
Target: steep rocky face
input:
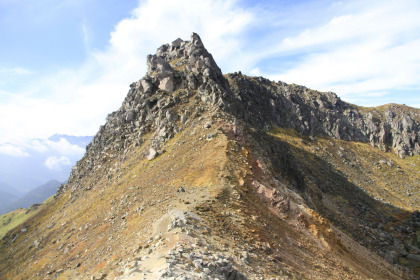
column 175, row 73
column 274, row 185
column 187, row 69
column 265, row 103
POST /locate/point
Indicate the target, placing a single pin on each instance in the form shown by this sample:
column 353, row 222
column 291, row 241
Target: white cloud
column 220, row 24
column 26, row 148
column 15, row 71
column 370, row 48
column 57, row 163
column 37, row 145
column 12, row 150
column 65, row 148
column 10, row 76
column 359, row 69
column 76, row 101
column 85, row 33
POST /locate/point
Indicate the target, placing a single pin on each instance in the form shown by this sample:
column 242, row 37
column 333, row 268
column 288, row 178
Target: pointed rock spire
column 196, row 40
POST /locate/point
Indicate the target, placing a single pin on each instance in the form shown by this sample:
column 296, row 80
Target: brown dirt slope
column 248, row 212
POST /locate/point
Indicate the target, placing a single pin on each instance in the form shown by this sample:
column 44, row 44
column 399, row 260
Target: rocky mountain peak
column 201, row 175
column 264, row 104
column 186, row 57
column 177, row 73
column 185, row 70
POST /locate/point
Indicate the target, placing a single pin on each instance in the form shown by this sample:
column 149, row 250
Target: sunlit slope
column 228, row 185
column 95, row 228
column 17, row 217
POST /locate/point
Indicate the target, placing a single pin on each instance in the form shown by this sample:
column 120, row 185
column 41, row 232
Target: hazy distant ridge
column 37, row 195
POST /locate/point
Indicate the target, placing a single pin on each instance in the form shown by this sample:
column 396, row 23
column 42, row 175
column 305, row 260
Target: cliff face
column 186, row 68
column 315, row 113
column 175, row 74
column 278, row 182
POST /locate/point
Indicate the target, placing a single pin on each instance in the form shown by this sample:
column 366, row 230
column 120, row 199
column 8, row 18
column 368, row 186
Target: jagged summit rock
column 186, row 56
column 310, row 112
column 186, row 68
column 264, row 103
column 201, row 175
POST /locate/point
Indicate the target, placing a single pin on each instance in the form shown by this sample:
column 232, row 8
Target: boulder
column 152, row 154
column 177, row 43
column 167, row 84
column 147, row 87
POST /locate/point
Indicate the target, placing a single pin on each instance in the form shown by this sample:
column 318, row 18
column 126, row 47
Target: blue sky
column 64, row 65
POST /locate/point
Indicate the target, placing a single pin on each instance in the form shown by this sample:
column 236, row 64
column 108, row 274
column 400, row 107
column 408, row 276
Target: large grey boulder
column 167, row 84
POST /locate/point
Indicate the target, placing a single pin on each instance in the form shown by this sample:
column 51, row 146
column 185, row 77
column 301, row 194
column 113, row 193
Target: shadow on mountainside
column 387, row 230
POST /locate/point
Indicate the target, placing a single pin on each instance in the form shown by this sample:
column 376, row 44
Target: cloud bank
column 12, row 150
column 57, row 163
column 62, row 146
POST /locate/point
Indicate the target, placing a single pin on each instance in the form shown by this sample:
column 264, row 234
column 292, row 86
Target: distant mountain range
column 10, row 202
column 6, row 197
column 7, row 194
column 5, row 188
column 40, row 160
column 81, row 141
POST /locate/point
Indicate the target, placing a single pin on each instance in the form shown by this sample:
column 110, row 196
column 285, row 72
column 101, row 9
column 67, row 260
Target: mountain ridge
column 272, row 186
column 34, row 196
column 6, row 197
column 214, row 88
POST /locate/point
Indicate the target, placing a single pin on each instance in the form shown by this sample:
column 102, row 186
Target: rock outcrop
column 263, row 102
column 175, row 74
column 186, row 69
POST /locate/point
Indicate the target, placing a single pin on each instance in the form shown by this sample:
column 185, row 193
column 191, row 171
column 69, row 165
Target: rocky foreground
column 201, row 175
